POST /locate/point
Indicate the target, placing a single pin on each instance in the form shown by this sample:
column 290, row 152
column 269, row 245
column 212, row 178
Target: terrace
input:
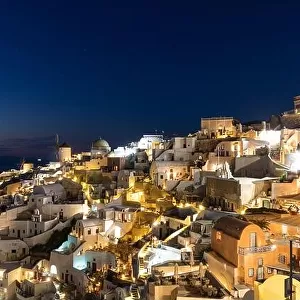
column 194, row 284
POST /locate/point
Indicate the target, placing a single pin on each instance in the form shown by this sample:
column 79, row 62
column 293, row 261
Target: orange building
column 240, row 253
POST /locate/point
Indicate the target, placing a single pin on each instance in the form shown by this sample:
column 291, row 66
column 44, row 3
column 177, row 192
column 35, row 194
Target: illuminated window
column 260, row 262
column 250, row 272
column 269, row 270
column 219, row 236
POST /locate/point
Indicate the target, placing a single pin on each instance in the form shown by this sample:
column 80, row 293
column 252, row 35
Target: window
column 13, row 231
column 89, row 231
column 171, row 170
column 34, row 225
column 252, row 239
column 30, row 230
column 23, row 231
column 282, row 259
column 161, row 176
column 13, row 251
column 260, row 262
column 218, row 236
column 269, row 271
column 24, row 250
column 97, row 230
column 250, row 272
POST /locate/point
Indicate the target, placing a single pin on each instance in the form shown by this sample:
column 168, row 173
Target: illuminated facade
column 240, row 253
column 64, row 153
column 220, row 127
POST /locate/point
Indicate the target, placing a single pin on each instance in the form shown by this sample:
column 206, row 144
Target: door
column 94, row 267
column 18, row 233
column 160, row 233
column 67, row 278
column 253, row 239
column 260, row 273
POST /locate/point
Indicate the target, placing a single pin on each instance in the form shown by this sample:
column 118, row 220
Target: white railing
column 249, row 250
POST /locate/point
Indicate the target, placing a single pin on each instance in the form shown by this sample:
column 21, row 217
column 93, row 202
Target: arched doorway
column 53, row 270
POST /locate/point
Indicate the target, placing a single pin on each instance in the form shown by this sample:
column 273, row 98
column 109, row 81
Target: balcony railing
column 249, row 250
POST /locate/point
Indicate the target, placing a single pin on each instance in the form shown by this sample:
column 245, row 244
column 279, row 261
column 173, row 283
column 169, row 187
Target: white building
column 29, row 223
column 64, row 153
column 12, row 249
column 56, row 191
column 22, row 280
column 150, row 141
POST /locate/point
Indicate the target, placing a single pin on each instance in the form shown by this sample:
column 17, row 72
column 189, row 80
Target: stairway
column 134, row 292
column 141, row 265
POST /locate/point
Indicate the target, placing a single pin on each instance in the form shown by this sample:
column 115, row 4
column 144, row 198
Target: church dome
column 100, row 143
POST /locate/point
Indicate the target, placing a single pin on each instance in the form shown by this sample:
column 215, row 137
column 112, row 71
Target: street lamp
column 288, row 283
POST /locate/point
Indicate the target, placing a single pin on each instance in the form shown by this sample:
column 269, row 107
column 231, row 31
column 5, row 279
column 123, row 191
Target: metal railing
column 250, row 250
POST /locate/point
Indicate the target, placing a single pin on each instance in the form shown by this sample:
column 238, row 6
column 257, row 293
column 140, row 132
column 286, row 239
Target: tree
column 262, row 223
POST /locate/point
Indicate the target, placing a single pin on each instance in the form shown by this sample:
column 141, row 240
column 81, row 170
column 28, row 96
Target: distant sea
column 14, row 162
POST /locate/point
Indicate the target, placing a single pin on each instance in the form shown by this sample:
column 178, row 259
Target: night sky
column 120, row 69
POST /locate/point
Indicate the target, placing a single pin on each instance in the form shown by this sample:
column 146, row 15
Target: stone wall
column 45, row 236
column 228, row 189
column 284, row 189
column 254, row 166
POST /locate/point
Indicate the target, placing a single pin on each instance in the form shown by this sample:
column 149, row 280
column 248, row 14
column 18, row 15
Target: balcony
column 251, row 250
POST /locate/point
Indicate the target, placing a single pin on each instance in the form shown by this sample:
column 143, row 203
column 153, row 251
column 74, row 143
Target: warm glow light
column 270, row 136
column 155, row 223
column 201, row 207
column 295, row 165
column 117, row 232
column 53, row 270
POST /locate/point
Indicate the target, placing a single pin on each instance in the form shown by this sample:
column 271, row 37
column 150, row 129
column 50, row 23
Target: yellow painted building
column 273, row 288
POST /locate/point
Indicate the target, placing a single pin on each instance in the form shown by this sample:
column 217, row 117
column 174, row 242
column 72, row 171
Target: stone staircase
column 144, row 259
column 134, row 293
column 141, row 265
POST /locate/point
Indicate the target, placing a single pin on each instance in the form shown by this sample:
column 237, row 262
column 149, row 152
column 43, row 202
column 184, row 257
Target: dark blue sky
column 118, row 69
